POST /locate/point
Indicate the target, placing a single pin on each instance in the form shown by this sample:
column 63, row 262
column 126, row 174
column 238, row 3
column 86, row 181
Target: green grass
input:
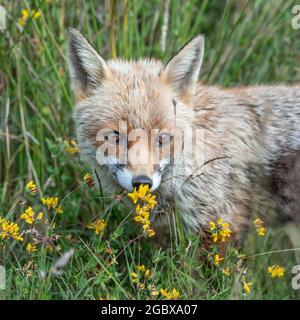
column 247, row 42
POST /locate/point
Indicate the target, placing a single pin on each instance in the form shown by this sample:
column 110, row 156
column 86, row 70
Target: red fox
column 244, row 163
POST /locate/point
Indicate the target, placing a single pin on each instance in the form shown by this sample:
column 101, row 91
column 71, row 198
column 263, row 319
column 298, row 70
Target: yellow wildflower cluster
column 246, row 285
column 25, row 15
column 98, row 225
column 147, row 273
column 31, row 187
column 142, row 278
column 52, row 203
column 170, row 295
column 89, row 180
column 259, row 226
column 71, row 147
column 220, row 230
column 217, row 259
column 276, row 271
column 10, row 229
column 30, row 248
column 146, row 203
column 144, row 273
column 29, row 215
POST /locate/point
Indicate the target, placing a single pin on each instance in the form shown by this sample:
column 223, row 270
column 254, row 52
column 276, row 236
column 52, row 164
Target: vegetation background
column 247, row 42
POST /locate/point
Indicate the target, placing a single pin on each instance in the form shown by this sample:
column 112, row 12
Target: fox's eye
column 164, row 139
column 113, row 137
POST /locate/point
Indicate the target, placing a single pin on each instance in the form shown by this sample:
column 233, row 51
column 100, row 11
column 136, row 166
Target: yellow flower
column 134, row 196
column 163, row 292
column 71, row 147
column 50, row 202
column 134, row 276
column 28, row 215
column 141, row 268
column 150, row 233
column 148, row 273
column 143, row 189
column 40, row 215
column 89, row 180
column 141, row 286
column 169, row 295
column 59, row 210
column 246, row 285
column 9, row 229
column 142, row 211
column 138, row 219
column 215, row 237
column 166, row 294
column 31, row 248
column 226, row 272
column 25, row 15
column 98, row 225
column 36, row 14
column 72, row 150
column 146, row 226
column 150, row 199
column 31, row 186
column 175, row 294
column 224, row 234
column 147, row 202
column 219, row 221
column 141, row 194
column 260, row 229
column 225, row 225
column 217, row 259
column 276, row 271
column 220, row 230
column 258, row 222
column 212, row 226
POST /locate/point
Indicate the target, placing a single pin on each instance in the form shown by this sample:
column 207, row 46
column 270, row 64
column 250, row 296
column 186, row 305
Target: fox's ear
column 87, row 68
column 182, row 71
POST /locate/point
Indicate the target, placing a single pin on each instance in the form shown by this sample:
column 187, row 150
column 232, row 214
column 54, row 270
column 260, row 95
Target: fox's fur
column 251, row 134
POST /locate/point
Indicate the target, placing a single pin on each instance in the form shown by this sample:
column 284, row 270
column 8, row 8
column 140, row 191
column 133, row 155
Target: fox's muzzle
column 141, row 179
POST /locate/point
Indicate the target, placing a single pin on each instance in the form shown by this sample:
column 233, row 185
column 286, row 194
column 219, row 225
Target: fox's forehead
column 136, row 94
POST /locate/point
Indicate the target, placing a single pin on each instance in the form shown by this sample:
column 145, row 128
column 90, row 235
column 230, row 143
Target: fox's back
column 278, row 110
column 275, row 109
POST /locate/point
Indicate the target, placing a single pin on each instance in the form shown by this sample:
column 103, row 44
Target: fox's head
column 129, row 114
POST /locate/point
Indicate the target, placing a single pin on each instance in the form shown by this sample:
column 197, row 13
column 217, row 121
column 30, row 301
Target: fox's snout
column 129, row 179
column 141, row 179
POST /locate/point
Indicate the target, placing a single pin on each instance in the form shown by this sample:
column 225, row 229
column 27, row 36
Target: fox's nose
column 138, row 180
